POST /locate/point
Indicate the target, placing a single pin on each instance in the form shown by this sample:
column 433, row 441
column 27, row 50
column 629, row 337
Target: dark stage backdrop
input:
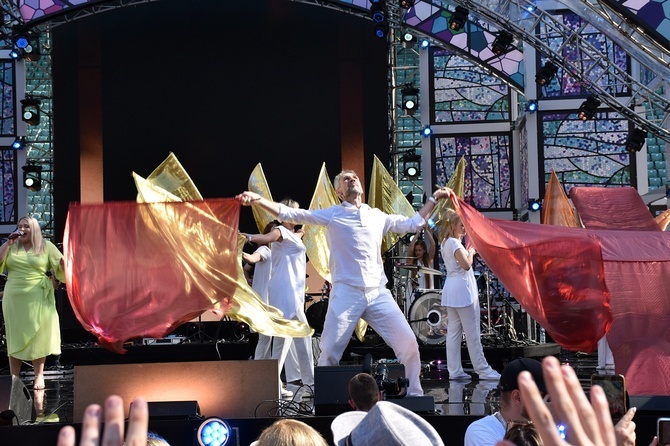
column 222, row 84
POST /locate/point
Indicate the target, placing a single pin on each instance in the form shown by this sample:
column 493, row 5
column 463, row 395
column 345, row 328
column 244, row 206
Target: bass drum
column 316, row 316
column 428, row 318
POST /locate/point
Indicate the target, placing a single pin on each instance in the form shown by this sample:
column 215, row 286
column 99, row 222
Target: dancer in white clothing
column 286, row 290
column 459, row 295
column 354, row 232
column 261, row 258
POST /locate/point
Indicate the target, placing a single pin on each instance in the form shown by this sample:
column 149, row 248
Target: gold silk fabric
column 315, row 239
column 387, row 196
column 556, row 207
column 257, row 183
column 171, row 177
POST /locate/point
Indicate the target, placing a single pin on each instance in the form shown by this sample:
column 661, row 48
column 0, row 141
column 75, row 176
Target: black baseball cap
column 509, row 375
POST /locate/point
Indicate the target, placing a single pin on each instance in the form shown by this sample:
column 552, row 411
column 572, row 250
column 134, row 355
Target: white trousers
column 303, row 349
column 605, row 356
column 348, row 304
column 465, row 320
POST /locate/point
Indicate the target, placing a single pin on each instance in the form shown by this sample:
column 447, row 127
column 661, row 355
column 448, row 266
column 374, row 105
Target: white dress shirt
column 355, row 238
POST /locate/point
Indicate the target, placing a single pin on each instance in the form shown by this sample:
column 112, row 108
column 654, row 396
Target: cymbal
column 406, row 266
column 431, row 271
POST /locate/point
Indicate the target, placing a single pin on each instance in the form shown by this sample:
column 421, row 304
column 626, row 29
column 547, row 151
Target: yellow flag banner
column 257, row 183
column 457, row 184
column 387, row 196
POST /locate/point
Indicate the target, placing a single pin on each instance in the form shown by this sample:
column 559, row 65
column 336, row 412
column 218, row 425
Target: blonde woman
column 459, row 296
column 28, row 305
column 288, row 432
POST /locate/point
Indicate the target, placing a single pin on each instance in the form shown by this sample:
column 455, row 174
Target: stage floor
column 456, row 403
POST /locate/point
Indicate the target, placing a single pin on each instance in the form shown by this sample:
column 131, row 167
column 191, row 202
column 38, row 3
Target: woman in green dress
column 28, row 304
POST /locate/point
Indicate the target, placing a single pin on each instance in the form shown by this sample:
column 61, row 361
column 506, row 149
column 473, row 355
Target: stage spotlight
column 408, row 40
column 21, row 39
column 381, row 30
column 532, row 106
column 588, row 108
column 411, row 164
column 458, row 18
column 410, row 99
column 636, row 140
column 406, row 4
column 25, row 44
column 32, row 177
column 530, row 7
column 534, row 205
column 425, row 43
column 19, row 143
column 426, row 131
column 502, row 43
column 213, row 432
column 30, row 110
column 546, row 74
column 378, row 12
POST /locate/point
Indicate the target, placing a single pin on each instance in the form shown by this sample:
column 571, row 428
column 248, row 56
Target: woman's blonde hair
column 451, row 219
column 288, row 432
column 35, row 235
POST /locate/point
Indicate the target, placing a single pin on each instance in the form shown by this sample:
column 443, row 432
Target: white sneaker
column 491, row 376
column 286, row 394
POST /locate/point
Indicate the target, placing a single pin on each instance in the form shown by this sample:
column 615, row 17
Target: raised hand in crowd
column 113, row 434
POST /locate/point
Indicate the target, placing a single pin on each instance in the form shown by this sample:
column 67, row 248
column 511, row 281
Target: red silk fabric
column 142, row 269
column 580, row 284
column 612, row 208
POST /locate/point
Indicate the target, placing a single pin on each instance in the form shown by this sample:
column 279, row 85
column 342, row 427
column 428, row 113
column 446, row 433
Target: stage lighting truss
column 458, row 18
column 546, row 74
column 214, row 432
column 636, row 140
column 532, row 106
column 588, row 108
column 25, row 44
column 410, row 99
column 502, row 43
column 30, row 110
column 411, row 164
column 534, row 205
column 32, row 177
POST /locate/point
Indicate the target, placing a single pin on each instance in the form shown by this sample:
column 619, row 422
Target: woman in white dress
column 286, row 290
column 460, row 297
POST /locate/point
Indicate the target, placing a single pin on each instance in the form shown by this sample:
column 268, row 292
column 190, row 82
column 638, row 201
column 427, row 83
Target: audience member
column 153, row 439
column 113, row 434
column 363, row 392
column 491, row 429
column 387, row 424
column 584, row 422
column 523, row 434
column 288, row 432
column 422, row 248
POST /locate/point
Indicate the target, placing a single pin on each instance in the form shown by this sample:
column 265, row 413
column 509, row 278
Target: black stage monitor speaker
column 16, row 404
column 331, row 386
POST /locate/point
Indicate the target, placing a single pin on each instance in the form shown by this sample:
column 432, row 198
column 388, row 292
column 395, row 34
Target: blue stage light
column 534, row 205
column 425, row 43
column 19, row 143
column 427, row 131
column 213, row 432
column 532, row 106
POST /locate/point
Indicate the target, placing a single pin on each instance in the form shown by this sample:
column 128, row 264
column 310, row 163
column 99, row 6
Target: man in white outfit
column 488, row 431
column 354, row 232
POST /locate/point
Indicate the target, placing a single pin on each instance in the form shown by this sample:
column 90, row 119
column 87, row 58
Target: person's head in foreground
column 363, row 392
column 385, row 424
column 288, row 432
column 512, row 403
column 523, row 434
